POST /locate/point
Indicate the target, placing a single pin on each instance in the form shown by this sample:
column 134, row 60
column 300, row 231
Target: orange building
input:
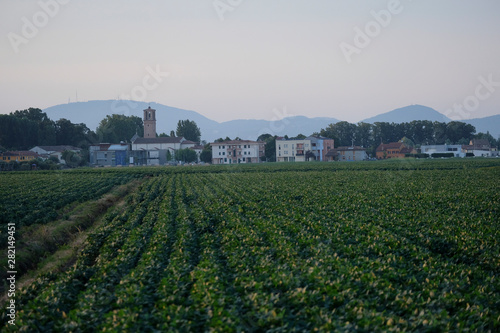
column 18, row 156
column 393, row 150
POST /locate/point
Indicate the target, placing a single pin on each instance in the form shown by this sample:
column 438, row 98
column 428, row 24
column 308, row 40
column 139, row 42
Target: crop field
column 372, row 246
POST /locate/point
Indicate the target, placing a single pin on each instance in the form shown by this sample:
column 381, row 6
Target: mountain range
column 92, row 112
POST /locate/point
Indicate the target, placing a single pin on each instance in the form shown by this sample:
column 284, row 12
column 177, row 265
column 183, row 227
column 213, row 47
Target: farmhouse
column 393, row 150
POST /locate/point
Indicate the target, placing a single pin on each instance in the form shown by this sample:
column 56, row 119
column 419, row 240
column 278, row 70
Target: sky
column 254, row 59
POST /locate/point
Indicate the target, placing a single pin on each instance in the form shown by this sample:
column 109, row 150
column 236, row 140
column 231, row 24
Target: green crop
column 392, row 246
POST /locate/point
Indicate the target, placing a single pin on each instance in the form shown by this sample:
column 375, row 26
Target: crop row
column 372, row 250
column 31, row 198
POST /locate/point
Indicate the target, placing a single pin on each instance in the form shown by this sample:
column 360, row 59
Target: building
column 153, row 151
column 56, row 151
column 238, row 151
column 106, row 154
column 18, row 156
column 456, row 150
column 347, row 153
column 393, row 150
column 312, row 148
column 480, row 147
column 149, row 121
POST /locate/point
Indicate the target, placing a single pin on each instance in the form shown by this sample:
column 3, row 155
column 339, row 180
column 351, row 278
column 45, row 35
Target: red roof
column 20, row 153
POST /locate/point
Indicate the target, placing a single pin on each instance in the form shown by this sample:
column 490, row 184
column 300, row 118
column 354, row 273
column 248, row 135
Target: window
column 285, row 146
column 229, row 154
column 223, row 153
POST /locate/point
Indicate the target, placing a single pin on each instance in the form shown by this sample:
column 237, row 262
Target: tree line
column 417, row 133
column 24, row 129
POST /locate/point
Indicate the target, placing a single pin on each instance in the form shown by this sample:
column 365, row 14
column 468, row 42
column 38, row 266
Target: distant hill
column 488, row 124
column 408, row 114
column 419, row 112
column 92, row 112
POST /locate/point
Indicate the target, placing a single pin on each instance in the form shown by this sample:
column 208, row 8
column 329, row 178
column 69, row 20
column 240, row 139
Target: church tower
column 150, row 123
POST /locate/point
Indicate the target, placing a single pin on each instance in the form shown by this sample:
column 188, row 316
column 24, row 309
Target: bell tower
column 149, row 123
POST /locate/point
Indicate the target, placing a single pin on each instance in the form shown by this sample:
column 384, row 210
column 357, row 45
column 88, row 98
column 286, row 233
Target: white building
column 237, row 151
column 443, row 149
column 347, row 153
column 56, row 151
column 153, row 151
column 480, row 148
column 311, row 148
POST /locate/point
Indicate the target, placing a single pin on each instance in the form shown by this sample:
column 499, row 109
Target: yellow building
column 18, row 156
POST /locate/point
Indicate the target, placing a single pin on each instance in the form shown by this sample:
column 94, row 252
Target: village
column 151, row 150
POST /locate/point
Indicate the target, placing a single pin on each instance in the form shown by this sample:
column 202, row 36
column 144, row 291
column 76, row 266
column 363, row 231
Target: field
column 372, row 246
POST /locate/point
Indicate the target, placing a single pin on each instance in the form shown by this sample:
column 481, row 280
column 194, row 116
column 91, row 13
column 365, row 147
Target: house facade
column 347, row 153
column 311, row 148
column 393, row 150
column 237, row 152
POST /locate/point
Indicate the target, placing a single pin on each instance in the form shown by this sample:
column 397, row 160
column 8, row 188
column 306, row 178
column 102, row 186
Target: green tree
column 189, row 130
column 77, row 135
column 170, row 157
column 270, row 148
column 363, row 135
column 186, row 155
column 439, row 133
column 342, row 132
column 456, row 130
column 116, row 128
column 486, row 136
column 206, row 155
column 73, row 159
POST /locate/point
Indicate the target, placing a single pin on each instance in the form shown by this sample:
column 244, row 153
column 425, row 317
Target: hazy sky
column 230, row 59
